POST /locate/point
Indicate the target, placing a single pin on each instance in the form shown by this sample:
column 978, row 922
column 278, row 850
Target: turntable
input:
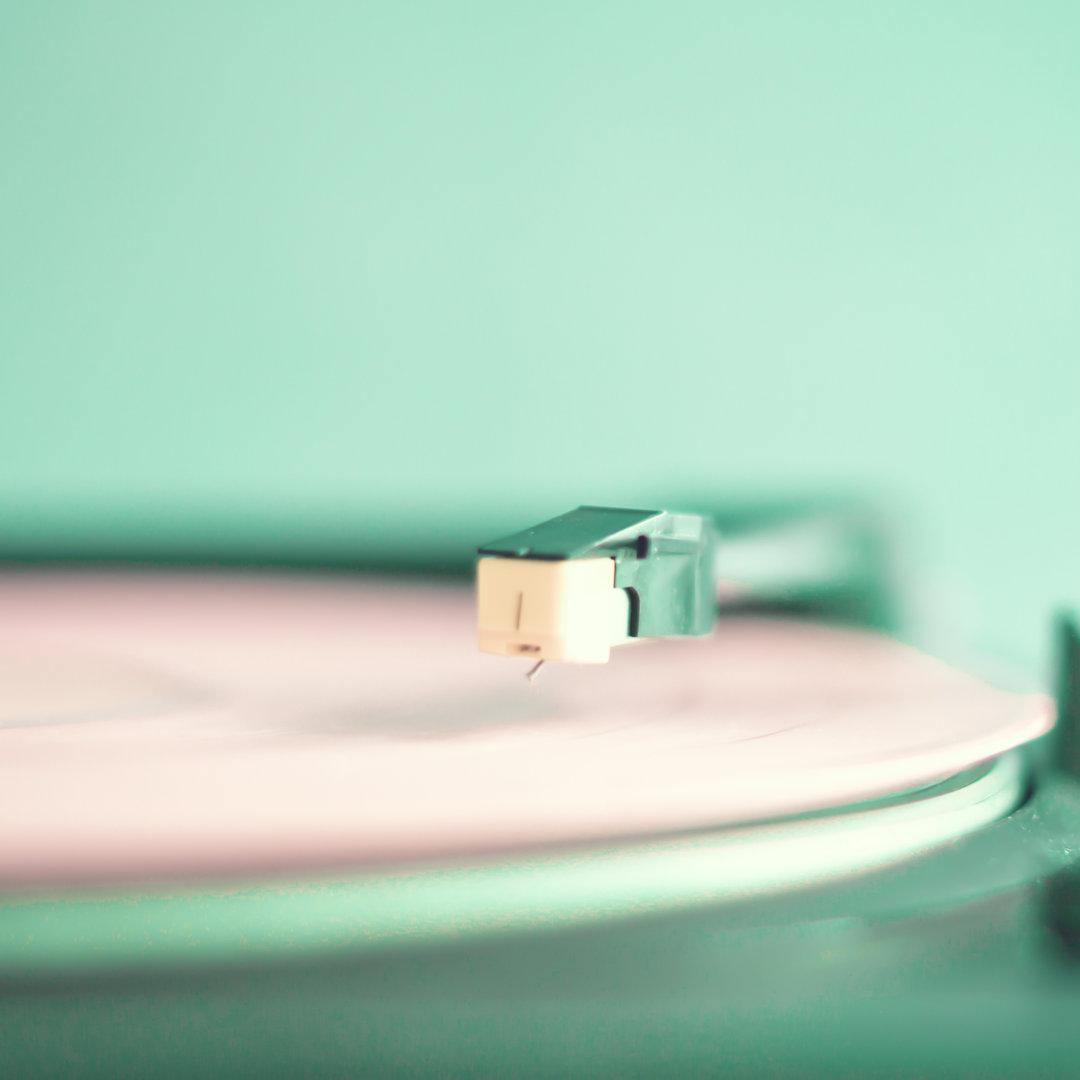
column 250, row 816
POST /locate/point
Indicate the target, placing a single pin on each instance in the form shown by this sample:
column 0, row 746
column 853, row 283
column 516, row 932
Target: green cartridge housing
column 663, row 560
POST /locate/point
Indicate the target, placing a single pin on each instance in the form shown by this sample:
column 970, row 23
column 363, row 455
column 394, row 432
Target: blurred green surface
column 276, row 270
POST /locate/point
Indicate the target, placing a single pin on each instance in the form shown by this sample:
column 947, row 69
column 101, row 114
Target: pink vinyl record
column 180, row 726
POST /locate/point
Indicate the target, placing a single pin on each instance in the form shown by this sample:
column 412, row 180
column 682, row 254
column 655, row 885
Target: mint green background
column 296, row 269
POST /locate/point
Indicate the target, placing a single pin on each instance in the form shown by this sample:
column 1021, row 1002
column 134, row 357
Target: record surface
column 202, row 725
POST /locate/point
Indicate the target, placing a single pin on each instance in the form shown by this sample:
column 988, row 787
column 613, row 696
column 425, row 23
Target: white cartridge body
column 550, row 609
